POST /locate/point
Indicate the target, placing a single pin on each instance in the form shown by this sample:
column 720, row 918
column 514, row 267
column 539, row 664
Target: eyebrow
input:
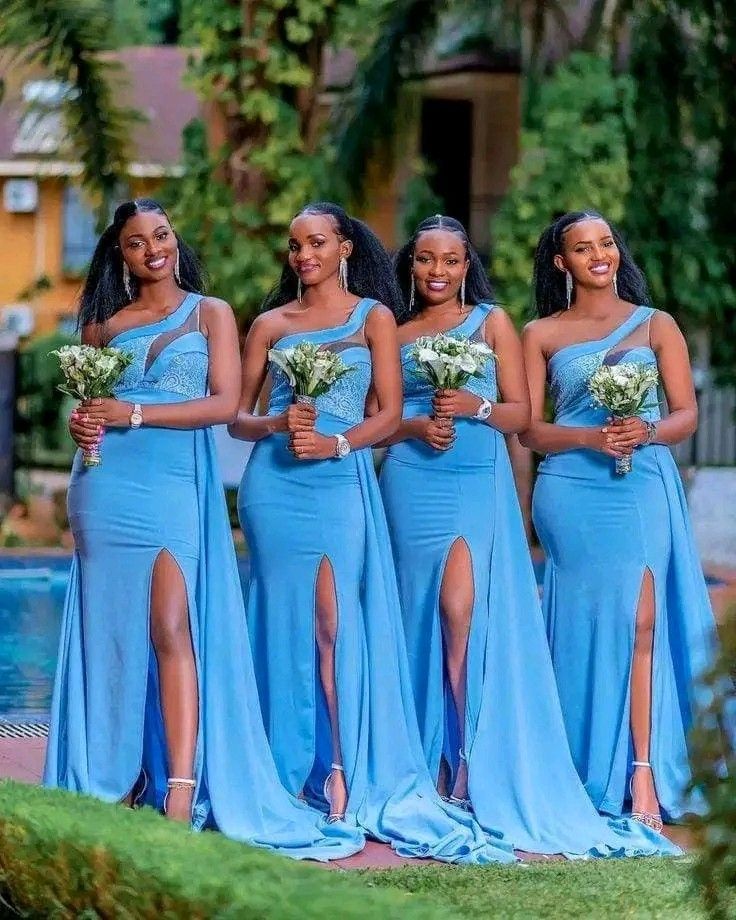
column 607, row 236
column 141, row 235
column 449, row 252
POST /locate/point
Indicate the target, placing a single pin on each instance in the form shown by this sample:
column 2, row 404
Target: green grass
column 595, row 890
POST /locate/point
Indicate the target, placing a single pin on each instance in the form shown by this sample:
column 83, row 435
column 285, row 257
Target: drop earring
column 177, row 272
column 412, row 293
column 568, row 288
column 342, row 273
column 126, row 281
column 462, row 294
column 299, row 289
column 615, row 285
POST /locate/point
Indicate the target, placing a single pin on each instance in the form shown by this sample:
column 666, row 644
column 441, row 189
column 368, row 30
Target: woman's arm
column 218, row 324
column 380, row 333
column 542, row 436
column 673, row 362
column 247, row 425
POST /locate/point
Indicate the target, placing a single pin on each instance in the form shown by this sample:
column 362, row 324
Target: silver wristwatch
column 484, row 410
column 136, row 416
column 651, row 431
column 342, row 446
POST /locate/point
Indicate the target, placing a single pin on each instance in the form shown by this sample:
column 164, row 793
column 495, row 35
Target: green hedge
column 66, row 856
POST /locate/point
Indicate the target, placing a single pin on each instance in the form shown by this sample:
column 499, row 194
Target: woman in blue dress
column 628, row 615
column 155, row 697
column 322, row 604
column 489, row 717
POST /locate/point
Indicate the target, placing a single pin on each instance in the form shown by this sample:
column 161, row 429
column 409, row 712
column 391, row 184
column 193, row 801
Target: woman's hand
column 308, row 444
column 439, row 433
column 451, row 403
column 109, row 413
column 299, row 417
column 629, row 433
column 604, row 440
column 86, row 434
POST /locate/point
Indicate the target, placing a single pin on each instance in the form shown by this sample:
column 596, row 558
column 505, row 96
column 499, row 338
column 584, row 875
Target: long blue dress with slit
column 158, row 490
column 296, row 514
column 521, row 777
column 602, row 533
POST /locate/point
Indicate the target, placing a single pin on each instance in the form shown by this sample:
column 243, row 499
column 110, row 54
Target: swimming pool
column 31, row 601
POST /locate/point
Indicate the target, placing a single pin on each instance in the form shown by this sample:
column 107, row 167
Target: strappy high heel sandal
column 178, row 782
column 644, row 817
column 465, row 804
column 333, row 815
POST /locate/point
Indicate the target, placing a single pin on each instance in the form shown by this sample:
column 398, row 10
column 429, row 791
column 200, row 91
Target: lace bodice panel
column 418, row 392
column 571, row 367
column 172, row 358
column 345, row 400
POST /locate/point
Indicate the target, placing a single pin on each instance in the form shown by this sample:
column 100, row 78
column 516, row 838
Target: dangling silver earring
column 299, row 289
column 342, row 274
column 615, row 284
column 177, row 275
column 568, row 288
column 126, row 281
column 412, row 293
column 462, row 294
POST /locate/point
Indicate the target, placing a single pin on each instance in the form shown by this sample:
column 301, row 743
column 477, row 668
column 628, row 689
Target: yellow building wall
column 33, row 247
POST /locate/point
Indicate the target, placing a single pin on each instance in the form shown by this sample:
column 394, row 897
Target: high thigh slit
column 158, row 491
column 521, row 778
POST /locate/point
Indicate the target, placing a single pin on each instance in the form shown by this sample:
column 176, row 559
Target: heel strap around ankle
column 180, row 782
column 337, row 766
column 641, row 763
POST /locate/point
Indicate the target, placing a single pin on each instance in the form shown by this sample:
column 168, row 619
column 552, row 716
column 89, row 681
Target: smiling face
column 149, row 246
column 315, row 247
column 439, row 265
column 589, row 253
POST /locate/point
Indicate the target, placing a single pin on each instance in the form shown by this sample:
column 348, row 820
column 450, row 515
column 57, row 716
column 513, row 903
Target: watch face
column 135, row 419
column 485, row 410
column 343, row 448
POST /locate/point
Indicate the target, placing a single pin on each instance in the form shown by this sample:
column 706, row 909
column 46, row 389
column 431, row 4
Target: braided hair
column 478, row 288
column 369, row 265
column 550, row 294
column 104, row 293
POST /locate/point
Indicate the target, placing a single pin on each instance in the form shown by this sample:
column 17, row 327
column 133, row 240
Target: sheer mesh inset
column 637, row 339
column 190, row 324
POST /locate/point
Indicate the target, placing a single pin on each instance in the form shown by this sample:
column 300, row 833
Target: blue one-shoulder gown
column 601, row 533
column 521, row 777
column 295, row 514
column 158, row 489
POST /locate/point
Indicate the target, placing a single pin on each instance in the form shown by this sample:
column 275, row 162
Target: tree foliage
column 574, row 158
column 66, row 38
column 260, row 156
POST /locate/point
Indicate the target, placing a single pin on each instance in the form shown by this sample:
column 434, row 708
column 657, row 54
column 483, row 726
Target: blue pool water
column 31, row 600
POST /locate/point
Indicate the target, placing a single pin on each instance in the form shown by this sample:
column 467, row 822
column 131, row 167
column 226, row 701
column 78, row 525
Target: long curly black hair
column 369, row 265
column 478, row 287
column 550, row 294
column 104, row 293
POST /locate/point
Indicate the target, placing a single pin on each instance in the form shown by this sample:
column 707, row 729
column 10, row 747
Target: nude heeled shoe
column 644, row 817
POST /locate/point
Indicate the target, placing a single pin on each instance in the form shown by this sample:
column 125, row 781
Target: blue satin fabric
column 521, row 777
column 295, row 514
column 159, row 489
column 601, row 533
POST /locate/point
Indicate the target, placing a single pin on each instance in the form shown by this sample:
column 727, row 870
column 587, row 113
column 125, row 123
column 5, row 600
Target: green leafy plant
column 574, row 157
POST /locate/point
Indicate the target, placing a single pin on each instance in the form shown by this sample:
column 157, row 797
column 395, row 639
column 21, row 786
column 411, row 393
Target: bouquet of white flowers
column 622, row 389
column 448, row 362
column 90, row 373
column 310, row 369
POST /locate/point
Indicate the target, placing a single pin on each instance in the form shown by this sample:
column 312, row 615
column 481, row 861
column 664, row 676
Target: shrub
column 68, row 856
column 715, row 746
